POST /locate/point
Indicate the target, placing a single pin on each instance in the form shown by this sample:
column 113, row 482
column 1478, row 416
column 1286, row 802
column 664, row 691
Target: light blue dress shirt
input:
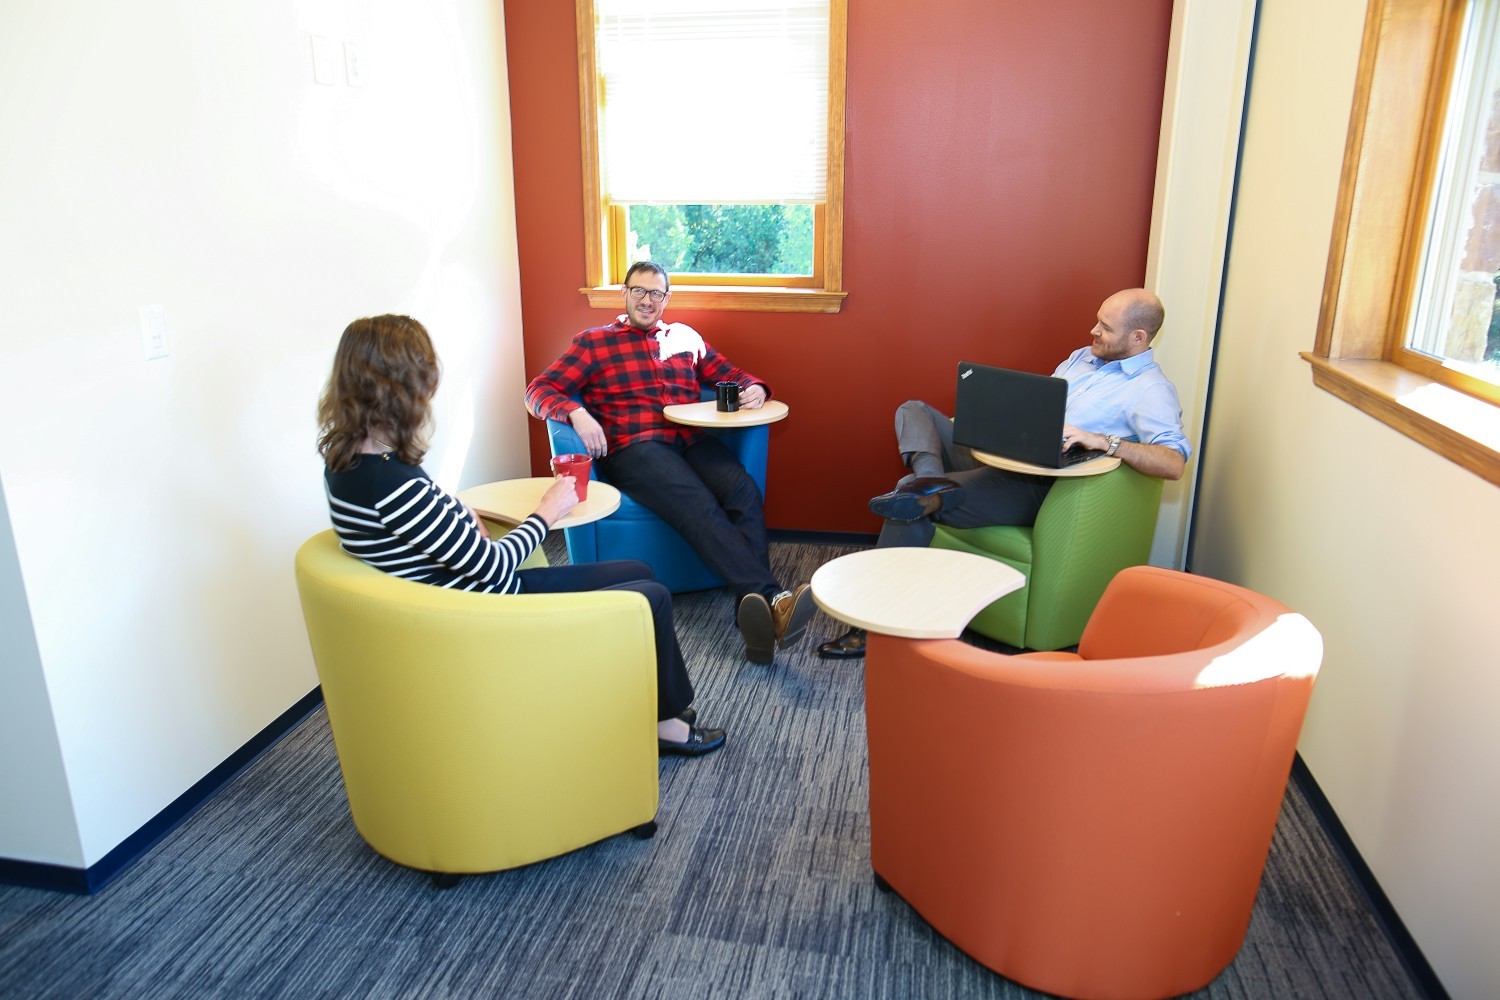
column 1130, row 398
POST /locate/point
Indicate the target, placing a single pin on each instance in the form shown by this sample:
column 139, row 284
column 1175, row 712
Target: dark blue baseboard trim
column 1406, row 946
column 95, row 877
column 821, row 537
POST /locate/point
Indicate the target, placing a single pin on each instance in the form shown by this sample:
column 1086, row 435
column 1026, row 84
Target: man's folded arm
column 717, row 368
column 1152, row 459
column 549, row 395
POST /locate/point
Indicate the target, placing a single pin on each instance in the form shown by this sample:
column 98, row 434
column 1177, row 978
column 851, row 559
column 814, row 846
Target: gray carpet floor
column 757, row 884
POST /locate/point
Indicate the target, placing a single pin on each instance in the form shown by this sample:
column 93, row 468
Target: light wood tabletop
column 512, row 500
column 912, row 592
column 1092, row 467
column 707, row 414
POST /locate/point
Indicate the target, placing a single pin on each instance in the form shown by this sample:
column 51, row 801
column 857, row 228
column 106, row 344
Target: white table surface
column 512, row 500
column 706, row 414
column 912, row 592
column 1092, row 467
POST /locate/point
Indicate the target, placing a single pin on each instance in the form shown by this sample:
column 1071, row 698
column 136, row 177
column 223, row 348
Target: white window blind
column 713, row 101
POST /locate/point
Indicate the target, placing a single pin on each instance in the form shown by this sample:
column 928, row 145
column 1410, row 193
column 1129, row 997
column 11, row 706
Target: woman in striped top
column 387, row 511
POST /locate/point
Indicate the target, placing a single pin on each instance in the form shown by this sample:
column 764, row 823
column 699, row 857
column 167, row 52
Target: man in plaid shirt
column 625, row 373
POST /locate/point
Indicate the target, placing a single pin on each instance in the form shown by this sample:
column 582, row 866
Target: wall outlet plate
column 154, row 332
column 325, row 60
column 354, row 64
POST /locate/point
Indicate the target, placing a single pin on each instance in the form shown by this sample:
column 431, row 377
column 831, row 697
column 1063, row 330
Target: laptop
column 1016, row 415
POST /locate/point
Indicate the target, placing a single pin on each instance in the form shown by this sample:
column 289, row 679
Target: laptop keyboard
column 1075, row 454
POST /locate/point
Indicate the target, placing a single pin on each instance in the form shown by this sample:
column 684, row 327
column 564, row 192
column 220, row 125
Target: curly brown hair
column 384, row 375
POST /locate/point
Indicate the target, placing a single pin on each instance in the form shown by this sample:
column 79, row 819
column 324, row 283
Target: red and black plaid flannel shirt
column 624, row 382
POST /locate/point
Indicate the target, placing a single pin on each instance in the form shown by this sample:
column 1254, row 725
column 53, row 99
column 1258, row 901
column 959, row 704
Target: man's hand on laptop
column 1076, row 437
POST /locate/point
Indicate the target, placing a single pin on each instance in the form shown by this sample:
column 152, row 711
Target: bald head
column 1128, row 321
column 1141, row 310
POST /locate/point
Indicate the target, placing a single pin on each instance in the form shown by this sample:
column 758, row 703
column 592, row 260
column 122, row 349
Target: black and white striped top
column 392, row 516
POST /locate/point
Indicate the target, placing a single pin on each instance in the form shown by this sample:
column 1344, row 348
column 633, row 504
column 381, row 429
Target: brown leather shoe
column 756, row 627
column 849, row 646
column 790, row 613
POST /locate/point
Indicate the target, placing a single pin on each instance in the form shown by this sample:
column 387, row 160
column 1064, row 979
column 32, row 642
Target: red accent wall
column 1000, row 164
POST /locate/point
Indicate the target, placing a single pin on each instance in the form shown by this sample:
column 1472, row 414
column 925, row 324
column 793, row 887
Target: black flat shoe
column 698, row 743
column 849, row 646
column 917, row 498
column 688, row 715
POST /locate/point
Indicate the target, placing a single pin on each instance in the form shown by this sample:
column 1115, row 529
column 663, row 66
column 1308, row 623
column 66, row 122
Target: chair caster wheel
column 645, row 831
column 881, row 883
column 444, row 880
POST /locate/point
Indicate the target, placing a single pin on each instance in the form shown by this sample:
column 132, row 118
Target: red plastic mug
column 576, row 466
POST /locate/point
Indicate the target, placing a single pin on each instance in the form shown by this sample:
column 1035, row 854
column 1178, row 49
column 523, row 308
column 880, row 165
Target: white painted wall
column 37, row 820
column 1389, row 549
column 180, row 153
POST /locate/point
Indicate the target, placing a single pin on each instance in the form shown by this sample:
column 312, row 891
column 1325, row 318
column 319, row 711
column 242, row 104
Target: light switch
column 154, row 332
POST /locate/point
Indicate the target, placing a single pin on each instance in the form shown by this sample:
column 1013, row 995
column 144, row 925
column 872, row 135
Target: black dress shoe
column 918, row 498
column 758, row 629
column 849, row 646
column 698, row 743
column 688, row 715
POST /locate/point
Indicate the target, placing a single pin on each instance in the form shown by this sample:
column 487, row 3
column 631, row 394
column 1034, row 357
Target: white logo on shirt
column 679, row 338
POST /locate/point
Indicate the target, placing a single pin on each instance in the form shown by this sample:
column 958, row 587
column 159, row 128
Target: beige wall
column 181, row 154
column 1390, row 550
column 1195, row 175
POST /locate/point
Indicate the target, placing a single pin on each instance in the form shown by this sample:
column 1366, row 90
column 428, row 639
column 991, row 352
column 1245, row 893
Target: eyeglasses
column 638, row 293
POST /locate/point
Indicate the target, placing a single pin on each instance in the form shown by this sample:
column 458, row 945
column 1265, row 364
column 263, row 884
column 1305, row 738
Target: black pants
column 706, row 495
column 674, row 689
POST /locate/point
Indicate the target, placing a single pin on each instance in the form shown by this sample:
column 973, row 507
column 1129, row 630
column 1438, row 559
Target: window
column 713, row 144
column 1455, row 331
column 1405, row 232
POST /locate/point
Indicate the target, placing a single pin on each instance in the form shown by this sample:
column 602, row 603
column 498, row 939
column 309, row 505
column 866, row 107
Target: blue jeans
column 674, row 690
column 705, row 494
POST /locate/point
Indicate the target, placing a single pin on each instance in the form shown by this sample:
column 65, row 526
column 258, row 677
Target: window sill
column 1457, row 426
column 732, row 298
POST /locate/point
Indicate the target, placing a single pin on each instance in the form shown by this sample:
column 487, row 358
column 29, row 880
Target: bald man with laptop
column 1118, row 402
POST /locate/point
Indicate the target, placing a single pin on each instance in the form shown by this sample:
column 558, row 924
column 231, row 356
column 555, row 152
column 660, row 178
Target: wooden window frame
column 1405, row 69
column 751, row 295
column 619, row 263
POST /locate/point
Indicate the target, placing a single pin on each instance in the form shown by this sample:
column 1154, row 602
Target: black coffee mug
column 728, row 396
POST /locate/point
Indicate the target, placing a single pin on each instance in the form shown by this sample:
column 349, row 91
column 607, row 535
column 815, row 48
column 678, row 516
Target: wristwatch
column 1114, row 445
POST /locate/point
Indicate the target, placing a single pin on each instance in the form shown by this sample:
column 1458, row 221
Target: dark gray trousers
column 924, row 436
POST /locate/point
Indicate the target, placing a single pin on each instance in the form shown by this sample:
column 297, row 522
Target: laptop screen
column 1017, row 415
